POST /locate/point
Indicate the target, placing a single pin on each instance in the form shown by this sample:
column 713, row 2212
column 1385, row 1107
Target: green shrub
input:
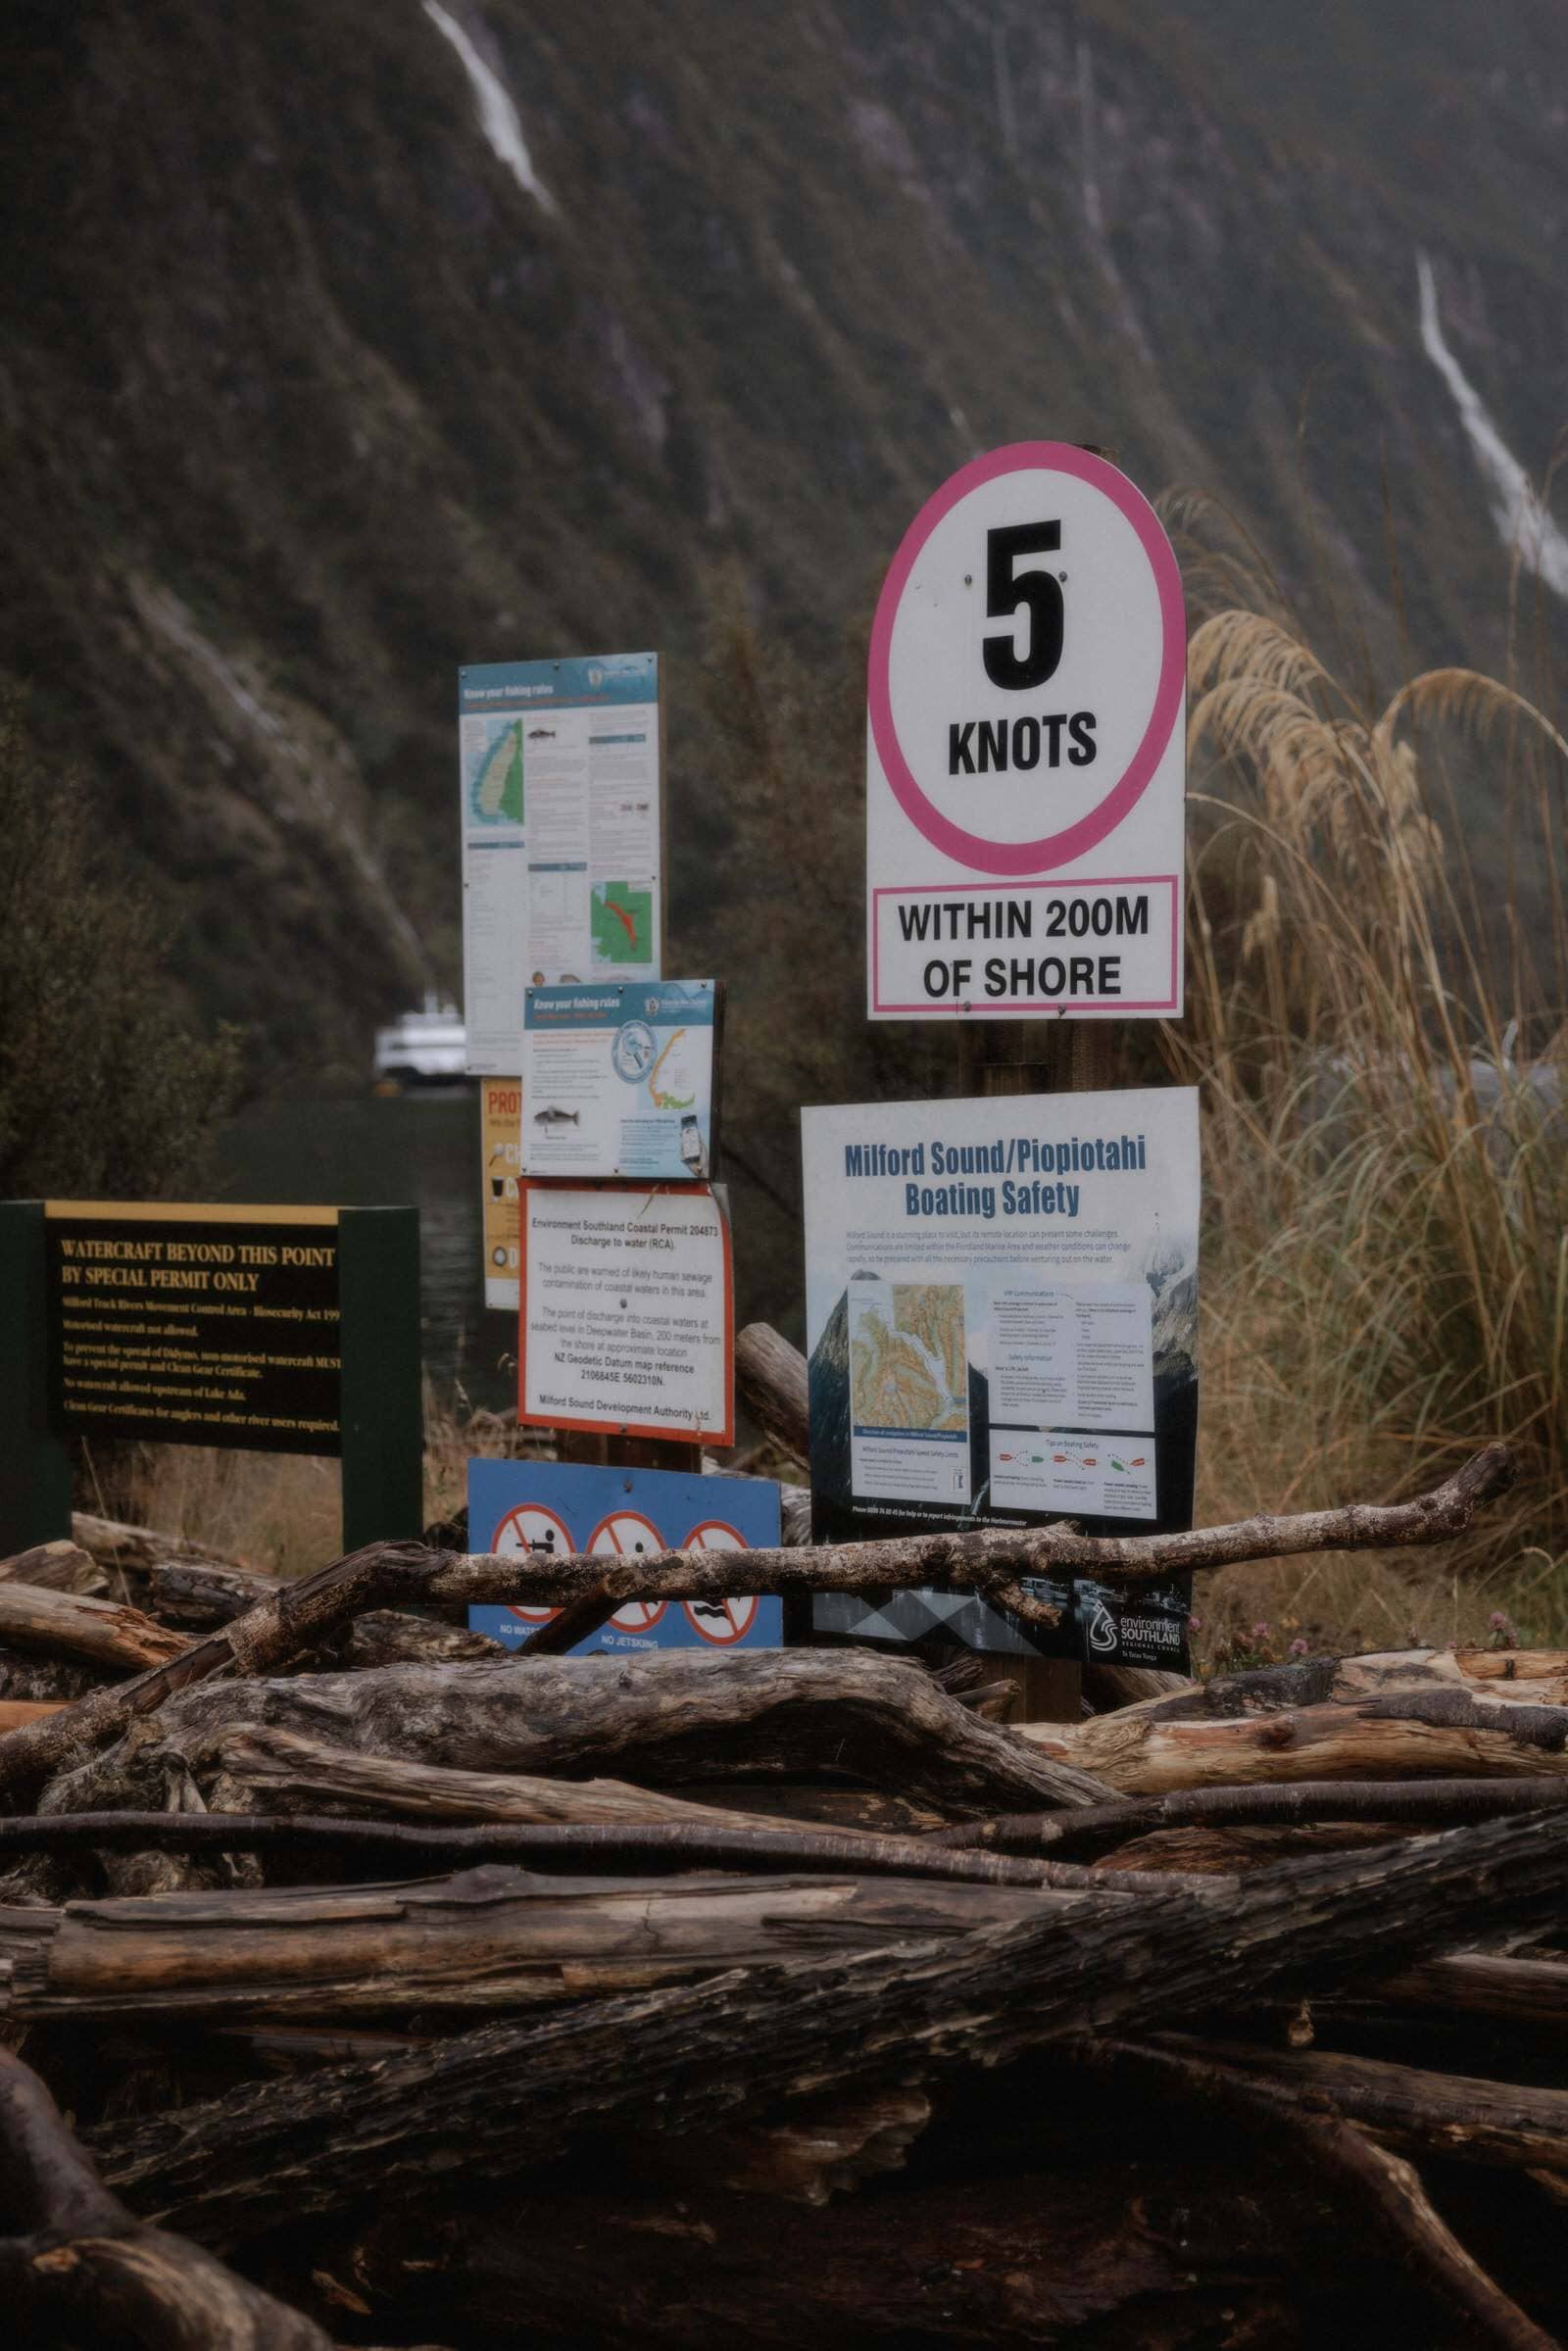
column 106, row 1087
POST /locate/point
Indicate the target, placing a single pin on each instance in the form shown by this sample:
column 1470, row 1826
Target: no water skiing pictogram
column 626, row 1535
column 530, row 1527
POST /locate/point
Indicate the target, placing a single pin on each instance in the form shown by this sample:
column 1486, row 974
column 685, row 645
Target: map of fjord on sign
column 495, row 783
column 622, row 920
column 912, row 1373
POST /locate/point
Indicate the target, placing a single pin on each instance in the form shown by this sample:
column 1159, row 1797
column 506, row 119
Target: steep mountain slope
column 341, row 345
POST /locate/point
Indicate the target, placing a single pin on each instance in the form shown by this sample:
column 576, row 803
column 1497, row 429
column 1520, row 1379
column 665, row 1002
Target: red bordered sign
column 1025, row 761
column 603, row 1272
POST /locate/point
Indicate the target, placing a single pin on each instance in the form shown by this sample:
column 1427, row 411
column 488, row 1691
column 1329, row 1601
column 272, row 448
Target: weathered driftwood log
column 1110, row 1686
column 1405, row 1734
column 1380, row 2189
column 592, row 1847
column 74, row 1626
column 392, row 1637
column 138, row 1549
column 1422, row 2113
column 510, row 2095
column 487, row 1939
column 1508, row 1989
column 58, row 1566
column 75, row 2267
column 771, row 1379
column 27, row 1674
column 672, row 1719
column 1403, row 1803
column 1540, row 1678
column 291, row 1773
column 16, row 1714
column 199, row 1593
column 305, row 1613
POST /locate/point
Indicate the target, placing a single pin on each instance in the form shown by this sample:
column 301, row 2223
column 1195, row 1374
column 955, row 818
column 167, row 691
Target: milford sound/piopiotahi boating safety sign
column 1026, row 749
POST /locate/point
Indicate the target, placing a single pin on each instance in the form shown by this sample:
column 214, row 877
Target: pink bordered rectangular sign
column 1101, row 946
column 1025, row 736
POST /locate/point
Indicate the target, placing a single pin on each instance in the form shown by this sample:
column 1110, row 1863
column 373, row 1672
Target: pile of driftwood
column 365, row 1983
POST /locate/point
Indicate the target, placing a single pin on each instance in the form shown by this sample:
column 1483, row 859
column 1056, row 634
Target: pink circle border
column 1075, row 840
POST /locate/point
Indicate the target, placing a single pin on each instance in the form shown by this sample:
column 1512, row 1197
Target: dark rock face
column 306, row 397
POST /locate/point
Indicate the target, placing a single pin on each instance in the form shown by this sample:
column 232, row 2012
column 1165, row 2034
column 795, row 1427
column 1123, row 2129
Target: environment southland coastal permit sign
column 626, row 1323
column 1026, row 749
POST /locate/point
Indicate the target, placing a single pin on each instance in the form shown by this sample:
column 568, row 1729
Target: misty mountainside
column 342, row 345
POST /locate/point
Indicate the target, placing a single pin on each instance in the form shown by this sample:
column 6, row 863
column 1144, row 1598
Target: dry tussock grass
column 1378, row 1032
column 280, row 1512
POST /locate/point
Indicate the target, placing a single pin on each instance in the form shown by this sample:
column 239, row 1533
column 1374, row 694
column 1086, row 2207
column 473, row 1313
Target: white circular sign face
column 1027, row 658
column 625, row 1535
column 530, row 1527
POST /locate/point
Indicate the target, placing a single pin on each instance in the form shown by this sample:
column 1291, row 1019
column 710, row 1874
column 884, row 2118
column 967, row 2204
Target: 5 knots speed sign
column 1025, row 775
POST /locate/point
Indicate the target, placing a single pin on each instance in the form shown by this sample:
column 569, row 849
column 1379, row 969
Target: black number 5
column 1040, row 594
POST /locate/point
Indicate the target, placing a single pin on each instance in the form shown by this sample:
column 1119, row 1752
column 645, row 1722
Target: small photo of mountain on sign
column 621, row 918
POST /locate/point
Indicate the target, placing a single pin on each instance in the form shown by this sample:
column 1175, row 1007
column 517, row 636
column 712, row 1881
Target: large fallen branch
column 1406, row 1733
column 74, row 1626
column 510, row 2095
column 291, row 1773
column 1381, row 2191
column 1422, row 2113
column 674, row 1718
column 387, row 1575
column 78, row 2268
column 60, row 1566
column 1407, row 1803
column 1508, row 1989
column 592, row 1847
column 138, row 1549
column 487, row 1939
column 1535, row 1677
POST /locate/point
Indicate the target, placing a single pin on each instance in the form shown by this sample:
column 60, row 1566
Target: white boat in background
column 423, row 1049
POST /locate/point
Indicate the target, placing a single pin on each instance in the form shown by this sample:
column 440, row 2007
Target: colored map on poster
column 911, row 1375
column 622, row 919
column 496, row 786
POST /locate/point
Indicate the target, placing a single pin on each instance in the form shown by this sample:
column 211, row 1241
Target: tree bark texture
column 1419, row 2112
column 86, row 1631
column 60, row 1566
column 77, row 2267
column 771, row 1379
column 1381, row 2193
column 510, row 2095
column 1391, row 1803
column 676, row 1718
column 487, row 1939
column 1406, row 1733
column 1539, row 1677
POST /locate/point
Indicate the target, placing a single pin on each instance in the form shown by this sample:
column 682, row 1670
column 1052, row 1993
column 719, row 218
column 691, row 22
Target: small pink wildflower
column 1194, row 1624
column 1298, row 1648
column 1261, row 1631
